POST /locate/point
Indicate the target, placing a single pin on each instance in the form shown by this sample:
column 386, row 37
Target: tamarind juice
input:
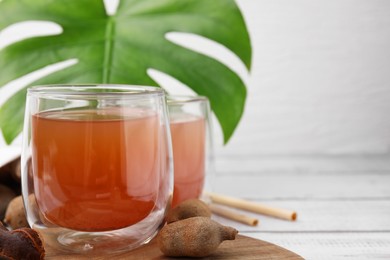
column 188, row 143
column 96, row 170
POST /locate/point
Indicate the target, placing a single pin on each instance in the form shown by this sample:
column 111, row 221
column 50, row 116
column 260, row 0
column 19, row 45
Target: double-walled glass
column 192, row 146
column 96, row 165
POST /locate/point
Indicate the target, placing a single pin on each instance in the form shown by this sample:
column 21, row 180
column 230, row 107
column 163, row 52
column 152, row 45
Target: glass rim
column 85, row 91
column 182, row 99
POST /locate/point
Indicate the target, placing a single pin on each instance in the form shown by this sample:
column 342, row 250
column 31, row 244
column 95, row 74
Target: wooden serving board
column 241, row 248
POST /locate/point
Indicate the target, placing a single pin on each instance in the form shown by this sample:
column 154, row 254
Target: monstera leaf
column 120, row 48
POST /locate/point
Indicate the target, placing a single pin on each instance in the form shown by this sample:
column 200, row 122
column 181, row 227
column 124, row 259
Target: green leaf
column 120, row 49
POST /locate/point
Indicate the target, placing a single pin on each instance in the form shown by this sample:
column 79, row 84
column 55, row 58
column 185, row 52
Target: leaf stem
column 108, row 49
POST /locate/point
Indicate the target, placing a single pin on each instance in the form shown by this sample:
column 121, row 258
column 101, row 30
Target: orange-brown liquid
column 96, row 170
column 188, row 143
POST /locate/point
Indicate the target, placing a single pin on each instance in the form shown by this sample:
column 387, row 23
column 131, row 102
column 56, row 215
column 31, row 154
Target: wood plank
column 239, row 162
column 241, row 248
column 329, row 245
column 322, row 216
column 368, row 185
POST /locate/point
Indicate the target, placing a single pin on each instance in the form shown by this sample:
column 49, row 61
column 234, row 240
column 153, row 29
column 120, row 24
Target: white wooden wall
column 321, row 78
column 319, row 85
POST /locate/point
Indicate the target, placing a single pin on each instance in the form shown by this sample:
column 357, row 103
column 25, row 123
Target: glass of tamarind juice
column 192, row 145
column 97, row 168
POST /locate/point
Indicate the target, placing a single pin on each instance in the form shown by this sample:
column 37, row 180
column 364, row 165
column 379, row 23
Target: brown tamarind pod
column 19, row 244
column 15, row 215
column 6, row 195
column 188, row 209
column 193, row 237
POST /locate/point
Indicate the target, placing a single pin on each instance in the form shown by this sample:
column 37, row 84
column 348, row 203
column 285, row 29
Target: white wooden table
column 343, row 204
